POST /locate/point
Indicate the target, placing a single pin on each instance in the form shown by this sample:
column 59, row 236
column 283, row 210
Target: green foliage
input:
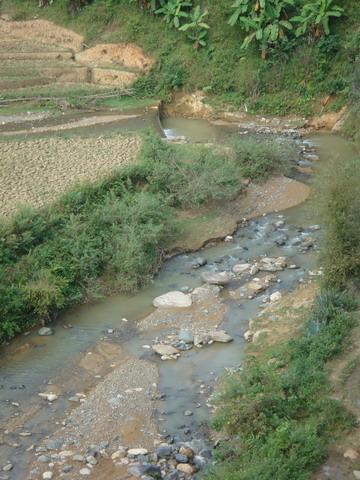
column 264, row 21
column 341, row 214
column 314, row 18
column 260, row 160
column 278, row 412
column 196, row 29
column 174, row 11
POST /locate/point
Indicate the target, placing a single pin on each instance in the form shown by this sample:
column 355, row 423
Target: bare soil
column 35, row 172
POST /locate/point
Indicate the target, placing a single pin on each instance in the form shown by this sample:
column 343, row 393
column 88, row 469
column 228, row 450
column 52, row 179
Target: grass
column 108, row 236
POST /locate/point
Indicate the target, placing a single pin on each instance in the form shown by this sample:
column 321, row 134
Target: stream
column 30, row 361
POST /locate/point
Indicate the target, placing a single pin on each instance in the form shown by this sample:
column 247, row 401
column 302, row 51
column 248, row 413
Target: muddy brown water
column 30, row 362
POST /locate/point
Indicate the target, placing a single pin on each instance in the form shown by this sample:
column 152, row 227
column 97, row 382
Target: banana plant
column 315, row 17
column 265, row 21
column 174, row 11
column 196, row 29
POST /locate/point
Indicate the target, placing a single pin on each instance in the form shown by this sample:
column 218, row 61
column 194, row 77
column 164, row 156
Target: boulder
column 217, row 278
column 272, row 264
column 186, row 336
column 173, row 299
column 221, row 336
column 161, row 349
column 241, row 268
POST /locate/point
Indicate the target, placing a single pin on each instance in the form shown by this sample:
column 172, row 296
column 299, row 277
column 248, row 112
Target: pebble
column 85, row 471
column 91, row 459
column 8, row 467
column 356, row 474
column 137, row 451
column 188, row 413
column 47, row 475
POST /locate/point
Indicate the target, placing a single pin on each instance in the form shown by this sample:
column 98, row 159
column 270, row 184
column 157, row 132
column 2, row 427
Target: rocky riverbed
column 145, row 381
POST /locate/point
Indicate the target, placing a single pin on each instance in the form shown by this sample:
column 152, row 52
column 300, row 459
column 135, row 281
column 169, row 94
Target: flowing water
column 30, row 362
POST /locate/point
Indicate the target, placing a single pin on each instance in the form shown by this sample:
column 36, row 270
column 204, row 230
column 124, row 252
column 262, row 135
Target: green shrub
column 260, row 160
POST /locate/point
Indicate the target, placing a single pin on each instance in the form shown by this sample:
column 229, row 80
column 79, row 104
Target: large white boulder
column 173, row 299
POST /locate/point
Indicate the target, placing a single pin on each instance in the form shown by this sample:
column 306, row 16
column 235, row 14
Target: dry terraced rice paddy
column 36, row 172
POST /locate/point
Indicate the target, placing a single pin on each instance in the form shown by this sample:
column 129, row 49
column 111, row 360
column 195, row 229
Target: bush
column 258, row 161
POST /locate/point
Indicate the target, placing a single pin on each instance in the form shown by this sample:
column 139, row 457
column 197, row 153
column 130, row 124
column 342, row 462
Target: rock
column 351, row 454
column 253, row 270
column 217, row 278
column 221, row 336
column 356, row 474
column 44, row 459
column 241, row 268
column 281, row 240
column 45, row 331
column 174, row 475
column 314, row 228
column 164, row 451
column 120, row 453
column 205, row 292
column 180, row 458
column 78, row 458
column 140, row 469
column 229, row 238
column 275, row 297
column 173, row 299
column 202, row 339
column 185, row 468
column 167, row 350
column 110, row 331
column 67, row 468
column 199, row 462
column 134, row 452
column 50, row 397
column 186, row 336
column 198, row 262
column 91, row 460
column 248, row 335
column 186, row 451
column 272, row 264
column 53, row 444
column 9, row 466
column 188, row 413
column 85, row 471
column 47, row 475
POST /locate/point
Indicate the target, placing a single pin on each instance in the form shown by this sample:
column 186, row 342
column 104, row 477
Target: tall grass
column 106, row 236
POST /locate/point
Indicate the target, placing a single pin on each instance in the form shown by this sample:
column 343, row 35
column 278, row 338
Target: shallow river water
column 30, row 362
